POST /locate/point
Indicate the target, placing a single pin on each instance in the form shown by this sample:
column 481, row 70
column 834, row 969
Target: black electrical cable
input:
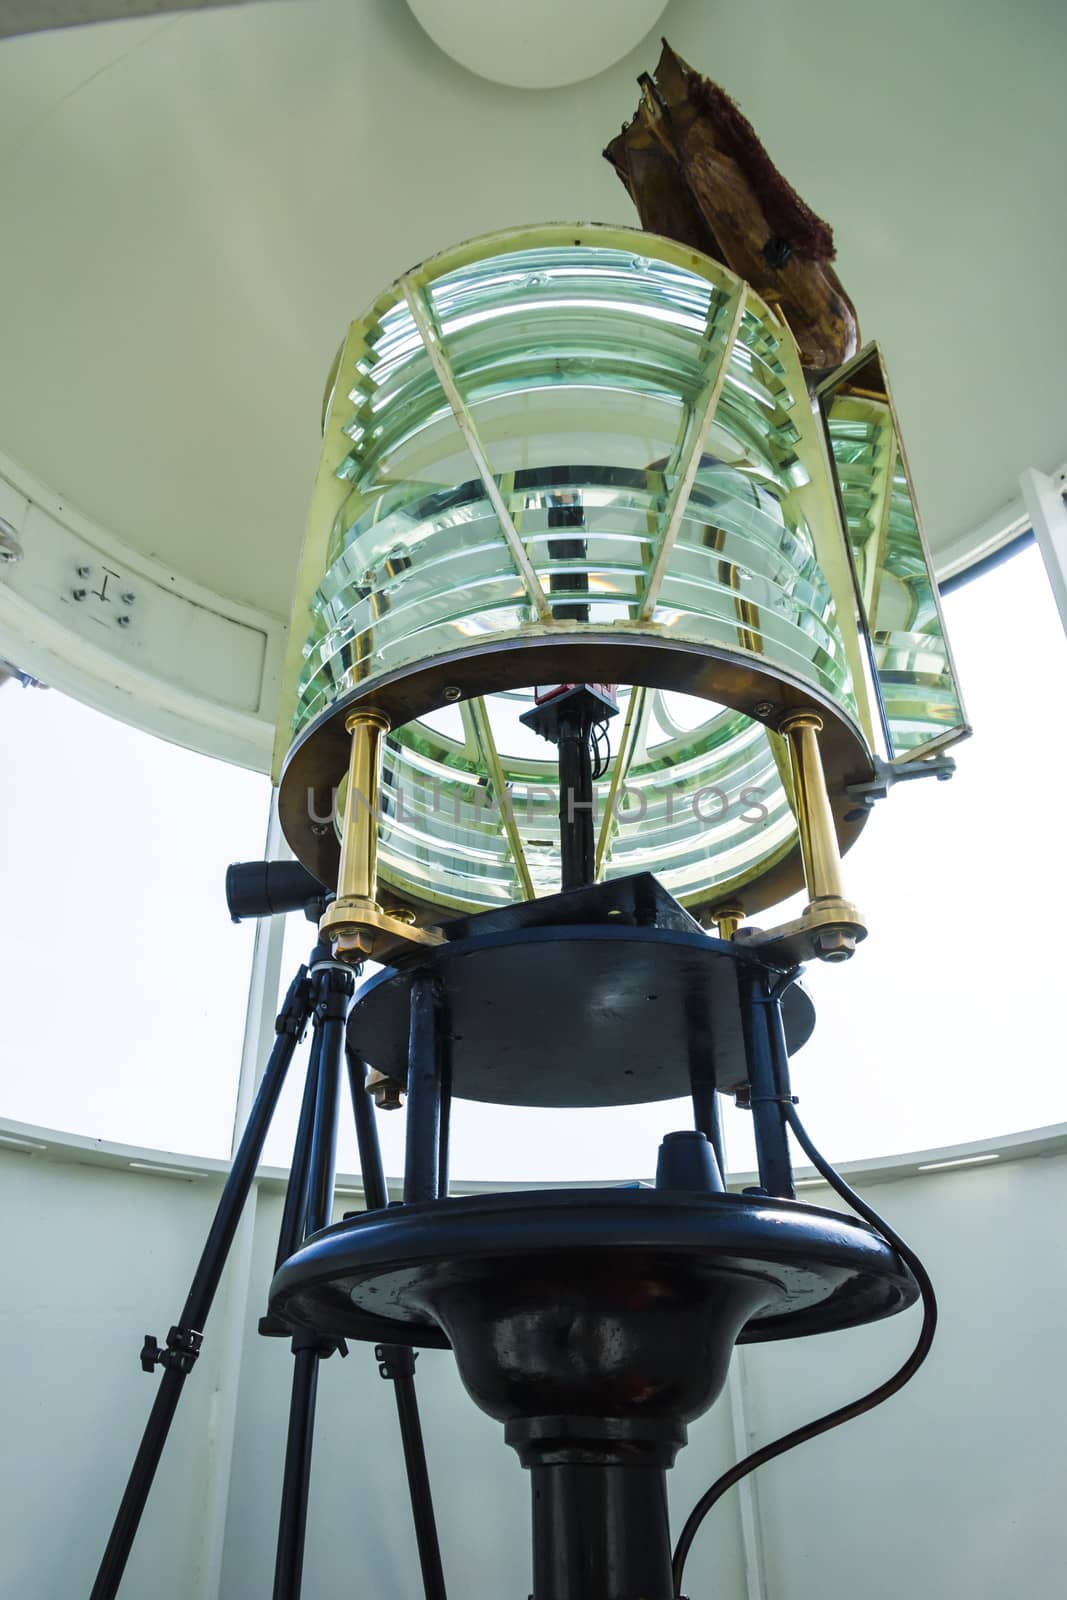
column 601, row 748
column 855, row 1408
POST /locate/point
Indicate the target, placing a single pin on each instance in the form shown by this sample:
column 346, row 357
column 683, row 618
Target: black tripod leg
column 128, row 1520
column 292, row 1232
column 397, row 1362
column 335, row 993
column 183, row 1342
column 292, row 1524
column 334, row 987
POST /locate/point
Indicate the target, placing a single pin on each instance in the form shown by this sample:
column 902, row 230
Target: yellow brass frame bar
column 425, row 322
column 815, row 819
column 476, row 715
column 355, row 921
column 699, row 421
column 830, row 927
column 633, row 729
column 358, row 877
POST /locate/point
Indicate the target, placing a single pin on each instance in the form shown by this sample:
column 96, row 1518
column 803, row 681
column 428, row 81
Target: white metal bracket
column 1043, row 498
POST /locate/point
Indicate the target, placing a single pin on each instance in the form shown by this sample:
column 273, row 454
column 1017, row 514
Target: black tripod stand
column 321, row 993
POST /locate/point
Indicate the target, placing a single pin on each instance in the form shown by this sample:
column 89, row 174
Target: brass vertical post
column 831, row 925
column 354, row 921
column 815, row 819
column 358, row 877
column 728, row 918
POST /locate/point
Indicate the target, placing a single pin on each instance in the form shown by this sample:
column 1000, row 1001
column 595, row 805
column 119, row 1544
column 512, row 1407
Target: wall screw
column 123, row 622
column 10, row 544
column 78, row 594
column 127, row 598
column 83, row 572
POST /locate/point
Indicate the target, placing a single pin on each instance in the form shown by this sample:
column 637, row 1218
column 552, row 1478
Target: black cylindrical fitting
column 423, row 1143
column 267, row 888
column 759, row 1013
column 372, row 1170
column 600, row 1533
column 687, row 1161
column 576, row 833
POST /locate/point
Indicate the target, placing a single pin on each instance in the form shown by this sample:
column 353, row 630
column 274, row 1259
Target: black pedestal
column 595, row 1324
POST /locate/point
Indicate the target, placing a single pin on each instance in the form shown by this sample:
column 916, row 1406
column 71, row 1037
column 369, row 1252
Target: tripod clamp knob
column 182, row 1349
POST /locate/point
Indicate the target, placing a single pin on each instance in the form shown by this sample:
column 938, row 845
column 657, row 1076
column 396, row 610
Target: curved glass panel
column 701, row 807
column 582, row 370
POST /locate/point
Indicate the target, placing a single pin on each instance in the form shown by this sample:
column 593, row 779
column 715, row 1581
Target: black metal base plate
column 381, row 1275
column 575, row 1016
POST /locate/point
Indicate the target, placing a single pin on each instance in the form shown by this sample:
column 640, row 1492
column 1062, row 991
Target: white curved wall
column 954, row 1488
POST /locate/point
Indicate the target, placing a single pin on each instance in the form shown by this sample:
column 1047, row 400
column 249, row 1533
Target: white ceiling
column 194, row 207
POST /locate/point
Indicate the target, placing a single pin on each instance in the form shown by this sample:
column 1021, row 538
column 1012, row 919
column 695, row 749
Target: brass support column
column 815, row 819
column 354, row 921
column 831, row 922
column 358, row 877
column 727, row 918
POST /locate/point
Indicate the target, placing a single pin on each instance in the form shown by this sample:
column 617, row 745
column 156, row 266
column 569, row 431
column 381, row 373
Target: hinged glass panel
column 918, row 693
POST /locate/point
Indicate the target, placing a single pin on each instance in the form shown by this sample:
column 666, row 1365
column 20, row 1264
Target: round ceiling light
column 544, row 45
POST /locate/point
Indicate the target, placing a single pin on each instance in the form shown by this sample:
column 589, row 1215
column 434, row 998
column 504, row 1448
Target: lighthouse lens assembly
column 582, row 454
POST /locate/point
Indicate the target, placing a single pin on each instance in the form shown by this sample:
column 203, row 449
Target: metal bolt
column 385, row 1092
column 763, row 709
column 127, row 598
column 451, row 692
column 10, row 545
column 320, row 829
column 834, row 945
column 83, row 572
column 78, row 594
column 122, row 622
